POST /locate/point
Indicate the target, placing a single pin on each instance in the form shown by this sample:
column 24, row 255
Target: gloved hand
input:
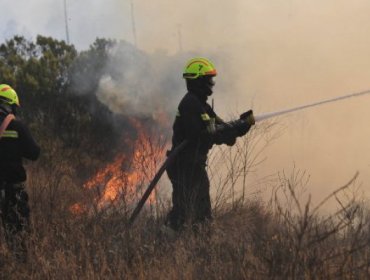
column 224, row 133
column 245, row 122
column 248, row 117
column 229, row 137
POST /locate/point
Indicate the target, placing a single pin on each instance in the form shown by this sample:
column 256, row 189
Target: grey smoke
column 281, row 53
column 138, row 83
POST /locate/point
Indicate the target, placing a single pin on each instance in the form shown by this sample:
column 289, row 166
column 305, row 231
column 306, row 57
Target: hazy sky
column 274, row 54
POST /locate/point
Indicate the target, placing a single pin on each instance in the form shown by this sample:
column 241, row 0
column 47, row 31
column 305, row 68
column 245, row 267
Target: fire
column 126, row 178
column 77, row 209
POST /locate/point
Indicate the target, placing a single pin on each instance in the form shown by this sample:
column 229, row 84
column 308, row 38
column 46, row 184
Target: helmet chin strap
column 6, row 108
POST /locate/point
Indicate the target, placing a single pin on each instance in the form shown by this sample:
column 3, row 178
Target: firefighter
column 198, row 124
column 16, row 143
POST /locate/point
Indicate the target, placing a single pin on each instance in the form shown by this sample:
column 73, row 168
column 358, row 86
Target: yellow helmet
column 198, row 67
column 8, row 95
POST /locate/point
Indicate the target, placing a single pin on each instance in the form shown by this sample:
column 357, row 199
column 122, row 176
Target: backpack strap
column 5, row 123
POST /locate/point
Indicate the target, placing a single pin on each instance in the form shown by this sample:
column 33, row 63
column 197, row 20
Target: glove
column 224, row 134
column 245, row 122
column 248, row 117
column 229, row 137
column 227, row 132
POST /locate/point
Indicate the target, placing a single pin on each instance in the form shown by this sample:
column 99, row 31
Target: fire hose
column 155, row 180
column 258, row 118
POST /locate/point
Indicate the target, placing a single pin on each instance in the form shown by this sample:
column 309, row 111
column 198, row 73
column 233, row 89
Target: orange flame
column 126, row 178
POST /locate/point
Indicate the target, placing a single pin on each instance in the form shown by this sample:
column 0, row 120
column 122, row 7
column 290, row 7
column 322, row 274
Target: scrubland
column 284, row 236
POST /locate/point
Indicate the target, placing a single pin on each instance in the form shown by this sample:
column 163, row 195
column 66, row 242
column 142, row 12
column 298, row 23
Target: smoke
column 86, row 20
column 274, row 55
column 270, row 55
column 139, row 83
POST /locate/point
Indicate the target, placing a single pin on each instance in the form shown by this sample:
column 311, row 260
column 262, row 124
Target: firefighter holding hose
column 201, row 128
column 16, row 143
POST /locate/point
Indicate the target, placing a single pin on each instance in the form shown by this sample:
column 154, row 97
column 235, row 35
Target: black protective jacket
column 193, row 119
column 16, row 144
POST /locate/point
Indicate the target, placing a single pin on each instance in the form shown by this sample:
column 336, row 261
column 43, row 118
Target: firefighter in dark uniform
column 16, row 143
column 198, row 125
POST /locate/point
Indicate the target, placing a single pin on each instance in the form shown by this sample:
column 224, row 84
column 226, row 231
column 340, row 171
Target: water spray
column 283, row 112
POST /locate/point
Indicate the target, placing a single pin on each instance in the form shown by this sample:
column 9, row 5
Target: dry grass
column 286, row 238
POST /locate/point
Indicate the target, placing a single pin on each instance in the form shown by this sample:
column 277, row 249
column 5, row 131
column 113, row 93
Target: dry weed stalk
column 289, row 238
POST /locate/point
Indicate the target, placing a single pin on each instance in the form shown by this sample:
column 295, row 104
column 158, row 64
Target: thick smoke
column 281, row 54
column 141, row 84
column 272, row 54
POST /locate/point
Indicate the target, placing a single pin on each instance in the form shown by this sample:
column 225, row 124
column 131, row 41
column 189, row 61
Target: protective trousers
column 190, row 196
column 15, row 214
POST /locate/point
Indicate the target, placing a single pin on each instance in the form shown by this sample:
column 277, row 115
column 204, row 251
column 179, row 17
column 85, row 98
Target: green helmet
column 199, row 67
column 8, row 95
